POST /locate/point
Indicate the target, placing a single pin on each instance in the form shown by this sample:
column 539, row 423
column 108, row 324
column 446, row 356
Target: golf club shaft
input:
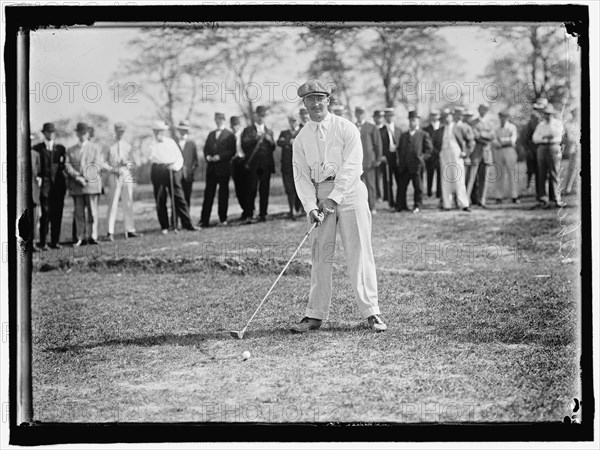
column 173, row 216
column 285, row 267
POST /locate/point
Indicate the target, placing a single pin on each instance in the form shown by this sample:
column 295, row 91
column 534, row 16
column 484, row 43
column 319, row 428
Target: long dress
column 452, row 167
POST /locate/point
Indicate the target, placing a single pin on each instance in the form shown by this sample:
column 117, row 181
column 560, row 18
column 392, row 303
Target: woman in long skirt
column 452, row 166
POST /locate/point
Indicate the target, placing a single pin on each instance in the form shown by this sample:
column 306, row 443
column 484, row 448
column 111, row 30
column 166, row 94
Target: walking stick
column 173, row 213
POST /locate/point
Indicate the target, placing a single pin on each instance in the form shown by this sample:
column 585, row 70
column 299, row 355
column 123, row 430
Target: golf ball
column 246, row 355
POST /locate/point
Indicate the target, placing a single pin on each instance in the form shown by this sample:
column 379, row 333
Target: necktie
column 320, row 131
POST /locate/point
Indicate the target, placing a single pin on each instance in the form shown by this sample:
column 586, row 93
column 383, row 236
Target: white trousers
column 122, row 187
column 353, row 219
column 504, row 175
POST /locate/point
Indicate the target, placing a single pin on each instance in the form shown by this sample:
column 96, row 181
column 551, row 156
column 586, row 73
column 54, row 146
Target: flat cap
column 359, row 109
column 120, row 126
column 435, row 113
column 219, row 115
column 183, row 125
column 234, row 120
column 504, row 113
column 389, row 111
column 313, row 87
column 261, row 109
column 458, row 109
column 377, row 113
column 468, row 113
column 483, row 106
column 159, row 125
column 549, row 109
column 413, row 114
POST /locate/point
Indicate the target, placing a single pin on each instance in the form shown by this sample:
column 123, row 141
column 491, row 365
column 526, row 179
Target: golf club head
column 237, row 334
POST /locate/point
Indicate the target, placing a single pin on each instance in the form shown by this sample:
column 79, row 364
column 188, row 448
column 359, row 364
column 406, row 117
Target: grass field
column 482, row 310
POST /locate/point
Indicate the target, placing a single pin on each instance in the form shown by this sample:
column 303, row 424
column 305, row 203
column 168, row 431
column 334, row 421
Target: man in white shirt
column 505, row 159
column 548, row 136
column 166, row 171
column 327, row 156
column 122, row 168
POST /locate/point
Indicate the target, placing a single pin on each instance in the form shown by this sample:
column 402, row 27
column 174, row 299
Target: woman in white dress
column 452, row 165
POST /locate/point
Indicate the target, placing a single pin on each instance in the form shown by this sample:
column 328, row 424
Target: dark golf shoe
column 376, row 324
column 306, row 324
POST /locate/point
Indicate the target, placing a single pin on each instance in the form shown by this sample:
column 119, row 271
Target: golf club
column 240, row 334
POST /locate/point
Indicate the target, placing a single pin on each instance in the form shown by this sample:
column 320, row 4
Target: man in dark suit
column 381, row 172
column 218, row 151
column 432, row 164
column 415, row 146
column 190, row 159
column 390, row 137
column 285, row 141
column 481, row 159
column 54, row 186
column 258, row 145
column 239, row 171
column 371, row 145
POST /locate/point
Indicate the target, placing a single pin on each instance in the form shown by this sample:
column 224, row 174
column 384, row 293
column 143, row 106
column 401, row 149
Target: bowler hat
column 314, row 87
column 120, row 126
column 159, row 125
column 413, row 114
column 48, row 127
column 261, row 110
column 82, row 128
column 234, row 120
column 183, row 125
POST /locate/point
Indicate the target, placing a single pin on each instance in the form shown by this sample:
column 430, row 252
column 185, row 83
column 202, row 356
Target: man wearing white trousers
column 327, row 157
column 121, row 167
column 505, row 159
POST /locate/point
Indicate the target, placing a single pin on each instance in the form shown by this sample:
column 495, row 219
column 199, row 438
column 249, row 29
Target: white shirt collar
column 325, row 123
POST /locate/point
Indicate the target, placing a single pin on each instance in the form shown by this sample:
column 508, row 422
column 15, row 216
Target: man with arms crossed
column 327, row 159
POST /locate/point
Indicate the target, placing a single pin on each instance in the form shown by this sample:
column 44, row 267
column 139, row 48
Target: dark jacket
column 263, row 157
column 392, row 158
column 437, row 138
column 371, row 144
column 413, row 150
column 52, row 169
column 224, row 146
column 190, row 159
column 285, row 142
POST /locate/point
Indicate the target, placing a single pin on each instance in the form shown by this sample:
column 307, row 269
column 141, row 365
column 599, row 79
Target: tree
column 170, row 64
column 333, row 61
column 407, row 57
column 536, row 64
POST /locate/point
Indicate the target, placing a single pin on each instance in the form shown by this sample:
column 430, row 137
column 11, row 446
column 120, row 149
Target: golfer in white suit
column 122, row 168
column 327, row 163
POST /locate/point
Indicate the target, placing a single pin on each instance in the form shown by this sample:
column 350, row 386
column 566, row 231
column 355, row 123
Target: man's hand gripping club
column 326, row 208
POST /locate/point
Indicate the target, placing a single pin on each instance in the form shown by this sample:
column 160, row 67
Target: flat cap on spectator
column 219, row 115
column 378, row 113
column 261, row 110
column 313, row 87
column 484, row 107
column 82, row 127
column 359, row 109
column 120, row 126
column 48, row 127
column 504, row 113
column 389, row 111
column 458, row 109
column 540, row 103
column 159, row 125
column 183, row 125
column 435, row 113
column 468, row 113
column 234, row 120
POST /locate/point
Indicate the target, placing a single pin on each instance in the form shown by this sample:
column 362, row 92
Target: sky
column 71, row 73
